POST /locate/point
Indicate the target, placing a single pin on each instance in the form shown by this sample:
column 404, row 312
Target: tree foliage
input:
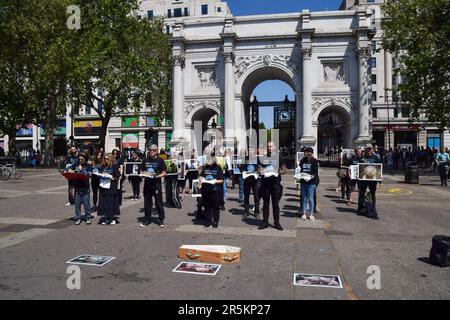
column 418, row 32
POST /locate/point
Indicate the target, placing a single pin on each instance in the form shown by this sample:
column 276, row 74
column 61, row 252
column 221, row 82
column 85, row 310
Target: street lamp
column 386, row 100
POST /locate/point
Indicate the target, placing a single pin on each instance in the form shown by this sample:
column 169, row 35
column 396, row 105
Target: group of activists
column 257, row 173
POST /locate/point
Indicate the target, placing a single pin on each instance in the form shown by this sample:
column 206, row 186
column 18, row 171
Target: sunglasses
column 153, row 150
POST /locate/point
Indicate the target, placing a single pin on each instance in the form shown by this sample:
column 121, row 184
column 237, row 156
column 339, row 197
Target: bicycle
column 14, row 172
column 5, row 173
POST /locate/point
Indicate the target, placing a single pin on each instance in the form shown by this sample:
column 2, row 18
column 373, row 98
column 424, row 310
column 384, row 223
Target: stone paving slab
column 239, row 231
column 18, row 238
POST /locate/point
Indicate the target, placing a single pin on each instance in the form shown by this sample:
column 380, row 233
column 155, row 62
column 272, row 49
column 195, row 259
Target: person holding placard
column 309, row 171
column 71, row 160
column 271, row 167
column 134, row 178
column 350, row 185
column 109, row 205
column 95, row 179
column 211, row 179
column 251, row 183
column 192, row 172
column 154, row 169
column 82, row 189
column 370, row 211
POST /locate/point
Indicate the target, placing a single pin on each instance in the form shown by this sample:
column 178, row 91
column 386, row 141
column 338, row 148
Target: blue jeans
column 308, row 193
column 82, row 197
column 224, row 188
column 241, row 187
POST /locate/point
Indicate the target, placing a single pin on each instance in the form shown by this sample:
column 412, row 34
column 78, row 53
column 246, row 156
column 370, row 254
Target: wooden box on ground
column 210, row 253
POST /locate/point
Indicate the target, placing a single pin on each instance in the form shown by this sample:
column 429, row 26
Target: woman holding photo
column 109, row 206
column 211, row 194
column 95, row 180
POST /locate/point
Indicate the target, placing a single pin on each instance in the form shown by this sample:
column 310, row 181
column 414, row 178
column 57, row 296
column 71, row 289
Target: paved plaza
column 37, row 237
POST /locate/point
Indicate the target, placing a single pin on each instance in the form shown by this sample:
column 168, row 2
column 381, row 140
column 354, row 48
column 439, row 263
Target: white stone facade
column 323, row 56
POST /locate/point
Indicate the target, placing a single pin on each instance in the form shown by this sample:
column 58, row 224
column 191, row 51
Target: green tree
column 126, row 59
column 36, row 57
column 418, row 32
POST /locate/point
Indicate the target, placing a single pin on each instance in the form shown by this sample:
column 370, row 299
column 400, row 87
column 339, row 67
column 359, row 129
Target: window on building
column 405, row 112
column 374, row 46
column 374, row 79
column 139, row 17
column 374, row 96
column 150, row 14
column 370, row 1
column 177, row 12
column 169, row 13
column 404, row 79
column 186, row 12
column 374, row 113
column 373, row 62
column 395, row 112
column 204, row 9
column 219, row 9
column 394, row 79
column 167, row 29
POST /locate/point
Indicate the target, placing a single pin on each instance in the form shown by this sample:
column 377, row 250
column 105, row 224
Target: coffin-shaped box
column 210, row 253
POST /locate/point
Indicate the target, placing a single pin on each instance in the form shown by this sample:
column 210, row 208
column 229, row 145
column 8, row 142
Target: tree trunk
column 50, row 121
column 104, row 131
column 12, row 143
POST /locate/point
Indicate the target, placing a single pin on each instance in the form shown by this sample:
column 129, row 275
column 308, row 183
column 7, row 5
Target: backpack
column 440, row 251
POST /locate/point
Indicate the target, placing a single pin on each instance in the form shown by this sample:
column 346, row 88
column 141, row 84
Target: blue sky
column 275, row 90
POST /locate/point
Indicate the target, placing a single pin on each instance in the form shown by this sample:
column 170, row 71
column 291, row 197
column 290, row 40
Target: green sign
column 130, row 122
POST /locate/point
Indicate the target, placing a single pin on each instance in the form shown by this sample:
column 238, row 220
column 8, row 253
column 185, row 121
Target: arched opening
column 333, row 133
column 207, row 126
column 268, row 94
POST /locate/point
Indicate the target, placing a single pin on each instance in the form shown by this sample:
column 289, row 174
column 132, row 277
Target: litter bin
column 412, row 173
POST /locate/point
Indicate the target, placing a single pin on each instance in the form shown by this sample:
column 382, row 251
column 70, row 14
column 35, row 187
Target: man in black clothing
column 251, row 183
column 271, row 185
column 155, row 168
column 370, row 211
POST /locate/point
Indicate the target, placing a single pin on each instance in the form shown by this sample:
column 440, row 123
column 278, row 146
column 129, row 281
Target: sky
column 274, row 90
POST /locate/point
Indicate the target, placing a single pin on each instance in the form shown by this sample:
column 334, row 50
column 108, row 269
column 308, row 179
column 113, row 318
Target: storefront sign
column 25, row 132
column 87, row 127
column 130, row 140
column 399, row 127
column 60, row 130
column 153, row 122
column 130, row 122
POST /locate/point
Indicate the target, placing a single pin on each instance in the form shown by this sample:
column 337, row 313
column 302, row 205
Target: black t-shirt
column 156, row 166
column 310, row 166
column 274, row 162
column 213, row 172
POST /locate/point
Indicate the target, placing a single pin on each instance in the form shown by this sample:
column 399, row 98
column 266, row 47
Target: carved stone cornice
column 318, row 102
column 364, row 52
column 229, row 57
column 290, row 61
column 306, row 53
column 179, row 60
column 202, row 103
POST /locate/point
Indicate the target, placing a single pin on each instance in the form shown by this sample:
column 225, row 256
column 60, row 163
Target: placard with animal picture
column 182, row 166
column 132, row 168
column 192, row 164
column 196, row 188
column 370, row 171
column 171, row 166
column 345, row 155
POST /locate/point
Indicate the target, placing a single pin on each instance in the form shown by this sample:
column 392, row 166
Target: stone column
column 178, row 95
column 298, row 119
column 388, row 75
column 229, row 96
column 364, row 130
column 307, row 71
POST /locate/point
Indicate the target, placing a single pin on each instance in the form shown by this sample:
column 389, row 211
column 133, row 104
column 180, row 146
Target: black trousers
column 95, row 184
column 211, row 203
column 251, row 184
column 151, row 192
column 362, row 187
column 136, row 185
column 347, row 187
column 268, row 192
